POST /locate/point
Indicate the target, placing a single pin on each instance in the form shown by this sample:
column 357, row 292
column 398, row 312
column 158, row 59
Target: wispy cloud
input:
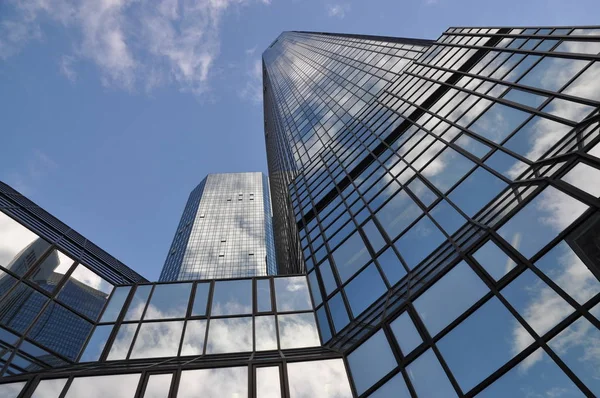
column 37, row 165
column 338, row 10
column 252, row 91
column 134, row 44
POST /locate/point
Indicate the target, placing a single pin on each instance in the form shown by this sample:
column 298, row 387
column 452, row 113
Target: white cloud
column 133, row 44
column 253, row 91
column 338, row 10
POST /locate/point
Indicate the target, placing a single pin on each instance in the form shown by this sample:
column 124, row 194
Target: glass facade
column 436, row 218
column 225, row 231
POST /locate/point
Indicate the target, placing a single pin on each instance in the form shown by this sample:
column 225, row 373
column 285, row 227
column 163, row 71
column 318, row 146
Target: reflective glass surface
column 220, row 382
column 371, row 361
column 364, row 289
column 200, row 299
column 118, row 386
column 265, row 334
column 292, row 294
column 298, row 330
column 267, row 382
column 169, row 301
column 229, row 335
column 138, row 303
column 232, row 297
column 350, row 256
column 263, row 295
column 318, row 379
column 157, row 339
column 193, row 339
column 115, row 305
column 428, row 377
column 95, row 345
column 86, row 292
column 49, row 388
column 120, row 347
column 158, row 386
column 406, row 333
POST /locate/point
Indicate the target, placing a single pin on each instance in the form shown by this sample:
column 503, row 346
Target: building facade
column 436, row 223
column 225, row 231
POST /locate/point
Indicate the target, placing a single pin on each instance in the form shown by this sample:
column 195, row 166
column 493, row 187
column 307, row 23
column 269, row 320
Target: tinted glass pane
column 157, row 339
column 292, row 294
column 584, row 177
column 363, row 290
column 96, row 344
column 575, row 346
column 395, row 387
column 298, row 330
column 328, row 278
column 115, row 305
column 428, row 377
column 324, row 324
column 11, row 390
column 263, row 295
column 373, row 235
column 86, row 292
column 350, row 256
column 169, row 301
column 20, row 307
column 138, row 303
column 120, row 346
column 482, row 343
column 541, row 220
column 498, row 122
column 536, row 375
column 391, row 266
column 419, row 241
column 158, row 386
column 406, row 333
column 338, row 312
column 267, row 382
column 397, row 214
column 314, row 288
column 193, row 339
column 51, row 270
column 552, row 73
column 49, row 388
column 220, row 382
column 232, row 297
column 200, row 299
column 20, row 247
column 460, row 288
column 371, row 361
column 117, row 386
column 448, row 218
column 318, row 379
column 229, row 335
column 265, row 333
column 445, row 170
column 477, row 190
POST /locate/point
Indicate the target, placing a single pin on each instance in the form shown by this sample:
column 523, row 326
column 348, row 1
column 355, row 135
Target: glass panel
column 476, row 191
column 200, row 299
column 328, row 278
column 584, row 177
column 419, row 241
column 363, row 290
column 445, row 170
column 193, row 339
column 534, row 139
column 536, row 376
column 6, row 283
column 350, row 256
column 20, row 307
column 577, row 346
column 448, row 218
column 584, row 85
column 292, row 294
column 397, row 214
column 114, row 386
column 136, row 307
column 157, row 339
column 265, row 333
column 51, row 270
column 506, row 165
column 324, row 324
column 495, row 261
column 232, row 297
column 229, row 335
column 220, row 382
column 120, row 346
column 318, row 379
column 263, row 295
column 498, row 122
column 395, row 387
column 373, row 235
column 115, row 305
column 338, row 312
column 20, row 247
column 525, row 98
column 371, row 361
column 96, row 344
column 536, row 302
column 49, row 388
column 552, row 73
column 169, row 301
column 298, row 330
column 406, row 333
column 11, row 390
column 391, row 266
column 472, row 145
column 566, row 269
column 482, row 343
column 428, row 377
column 61, row 330
column 158, row 386
column 268, row 384
column 314, row 288
column 541, row 220
column 461, row 288
column 86, row 292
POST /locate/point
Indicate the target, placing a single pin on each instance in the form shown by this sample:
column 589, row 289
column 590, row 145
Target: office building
column 436, row 221
column 225, row 231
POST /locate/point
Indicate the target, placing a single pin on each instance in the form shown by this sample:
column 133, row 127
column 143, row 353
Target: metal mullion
column 208, row 315
column 67, row 386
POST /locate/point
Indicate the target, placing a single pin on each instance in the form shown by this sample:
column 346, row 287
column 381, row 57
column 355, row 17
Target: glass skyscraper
column 436, row 219
column 225, row 230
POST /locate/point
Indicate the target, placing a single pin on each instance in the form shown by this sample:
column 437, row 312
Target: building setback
column 436, row 221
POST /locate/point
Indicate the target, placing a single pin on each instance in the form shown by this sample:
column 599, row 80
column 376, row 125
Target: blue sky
column 113, row 110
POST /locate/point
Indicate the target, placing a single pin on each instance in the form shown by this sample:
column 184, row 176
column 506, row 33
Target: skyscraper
column 438, row 205
column 225, row 230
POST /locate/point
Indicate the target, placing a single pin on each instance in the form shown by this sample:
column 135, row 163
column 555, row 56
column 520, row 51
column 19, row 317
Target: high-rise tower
column 225, row 230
